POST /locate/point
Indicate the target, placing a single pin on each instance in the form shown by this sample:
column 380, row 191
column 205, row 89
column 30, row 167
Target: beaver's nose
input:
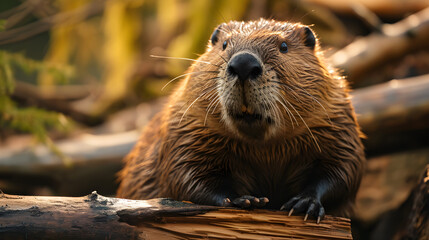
column 245, row 66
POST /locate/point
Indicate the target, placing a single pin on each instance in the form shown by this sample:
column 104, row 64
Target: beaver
column 260, row 121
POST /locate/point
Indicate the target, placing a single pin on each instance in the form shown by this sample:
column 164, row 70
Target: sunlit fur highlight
column 188, row 150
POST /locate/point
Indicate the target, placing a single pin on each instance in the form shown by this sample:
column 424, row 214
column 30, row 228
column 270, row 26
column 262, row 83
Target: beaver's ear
column 309, row 38
column 215, row 35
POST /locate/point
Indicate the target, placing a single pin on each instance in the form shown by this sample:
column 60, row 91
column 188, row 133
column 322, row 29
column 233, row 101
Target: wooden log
column 98, row 217
column 94, row 162
column 394, row 115
column 369, row 53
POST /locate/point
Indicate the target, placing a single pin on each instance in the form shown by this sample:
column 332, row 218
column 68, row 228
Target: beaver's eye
column 283, row 47
column 224, row 45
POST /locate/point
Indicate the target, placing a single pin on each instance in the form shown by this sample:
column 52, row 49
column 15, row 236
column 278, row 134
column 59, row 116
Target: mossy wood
column 98, row 217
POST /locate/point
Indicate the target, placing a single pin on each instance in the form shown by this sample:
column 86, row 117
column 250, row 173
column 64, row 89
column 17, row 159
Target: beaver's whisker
column 272, row 106
column 275, row 108
column 294, row 94
column 284, row 106
column 213, row 95
column 309, row 131
column 216, row 105
column 212, row 103
column 210, row 97
column 196, row 99
column 284, row 91
column 289, row 112
column 182, row 58
column 290, row 89
column 184, row 104
column 306, row 93
column 315, row 99
column 183, row 75
column 209, row 93
column 217, row 102
column 225, row 61
column 211, row 78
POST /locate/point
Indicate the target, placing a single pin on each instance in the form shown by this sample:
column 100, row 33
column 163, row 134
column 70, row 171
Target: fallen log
column 95, row 160
column 98, row 217
column 396, row 40
column 394, row 115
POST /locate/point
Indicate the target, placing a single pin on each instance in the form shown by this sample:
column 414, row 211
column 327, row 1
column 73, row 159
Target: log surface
column 97, row 217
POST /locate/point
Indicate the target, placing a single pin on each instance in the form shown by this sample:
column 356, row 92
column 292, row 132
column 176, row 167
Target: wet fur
column 192, row 151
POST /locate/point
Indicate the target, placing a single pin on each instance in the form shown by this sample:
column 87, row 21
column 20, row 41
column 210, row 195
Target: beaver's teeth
column 243, row 108
column 249, row 110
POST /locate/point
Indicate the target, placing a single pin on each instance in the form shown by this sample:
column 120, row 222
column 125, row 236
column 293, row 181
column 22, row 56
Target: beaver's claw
column 310, row 205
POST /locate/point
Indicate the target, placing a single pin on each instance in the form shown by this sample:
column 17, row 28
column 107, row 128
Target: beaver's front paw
column 305, row 203
column 246, row 201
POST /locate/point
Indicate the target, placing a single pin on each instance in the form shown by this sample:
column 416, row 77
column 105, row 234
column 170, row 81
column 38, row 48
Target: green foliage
column 2, row 24
column 7, row 60
column 29, row 119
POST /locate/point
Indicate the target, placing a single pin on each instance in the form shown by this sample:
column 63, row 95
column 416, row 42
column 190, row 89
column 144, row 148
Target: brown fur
column 192, row 150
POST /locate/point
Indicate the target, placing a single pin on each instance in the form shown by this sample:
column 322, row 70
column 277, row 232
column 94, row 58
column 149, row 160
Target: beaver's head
column 265, row 75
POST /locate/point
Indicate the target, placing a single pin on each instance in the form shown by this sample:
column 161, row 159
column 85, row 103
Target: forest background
column 78, row 81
